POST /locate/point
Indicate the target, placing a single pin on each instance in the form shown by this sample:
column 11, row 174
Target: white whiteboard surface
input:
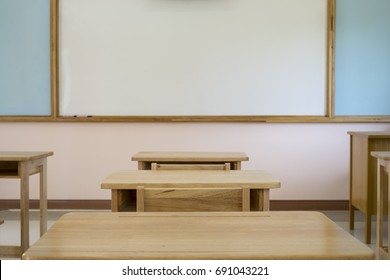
column 192, row 57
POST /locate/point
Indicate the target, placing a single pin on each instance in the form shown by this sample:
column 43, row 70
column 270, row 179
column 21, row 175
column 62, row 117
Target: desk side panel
column 192, row 200
column 9, row 169
column 377, row 144
column 359, row 169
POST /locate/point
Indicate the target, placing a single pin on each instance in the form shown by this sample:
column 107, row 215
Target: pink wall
column 311, row 160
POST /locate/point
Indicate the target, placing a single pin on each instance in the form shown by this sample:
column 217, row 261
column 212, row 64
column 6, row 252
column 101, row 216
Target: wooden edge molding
column 275, row 205
column 199, row 119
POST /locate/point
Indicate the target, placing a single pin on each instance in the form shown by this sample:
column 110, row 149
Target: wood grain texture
column 190, row 200
column 222, row 235
column 131, row 179
column 22, row 155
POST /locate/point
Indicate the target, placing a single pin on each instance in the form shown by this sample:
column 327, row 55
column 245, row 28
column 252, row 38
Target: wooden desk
column 189, row 236
column 363, row 174
column 218, row 187
column 20, row 165
column 189, row 160
column 383, row 194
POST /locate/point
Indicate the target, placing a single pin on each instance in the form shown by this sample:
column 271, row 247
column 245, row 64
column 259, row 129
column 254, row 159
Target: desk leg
column 379, row 211
column 246, row 200
column 351, row 208
column 236, row 165
column 388, row 211
column 264, row 199
column 43, row 197
column 259, row 199
column 140, row 199
column 142, row 165
column 351, row 216
column 115, row 200
column 24, row 206
column 368, row 227
column 383, row 173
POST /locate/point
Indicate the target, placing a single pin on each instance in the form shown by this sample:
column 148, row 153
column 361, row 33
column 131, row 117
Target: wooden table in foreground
column 190, row 190
column 20, row 165
column 383, row 198
column 190, row 236
column 189, row 160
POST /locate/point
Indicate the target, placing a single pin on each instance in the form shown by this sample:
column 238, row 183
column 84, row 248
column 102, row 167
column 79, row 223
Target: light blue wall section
column 362, row 69
column 25, row 57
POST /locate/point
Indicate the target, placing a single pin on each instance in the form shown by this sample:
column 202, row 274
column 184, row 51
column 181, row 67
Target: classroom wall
column 311, row 160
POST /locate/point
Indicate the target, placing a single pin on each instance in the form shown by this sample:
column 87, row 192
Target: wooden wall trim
column 275, row 205
column 309, row 205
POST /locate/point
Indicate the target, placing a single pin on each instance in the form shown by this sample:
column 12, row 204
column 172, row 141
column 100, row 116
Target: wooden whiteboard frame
column 66, row 42
column 329, row 116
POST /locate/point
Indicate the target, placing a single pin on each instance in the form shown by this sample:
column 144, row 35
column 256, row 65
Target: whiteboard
column 192, row 57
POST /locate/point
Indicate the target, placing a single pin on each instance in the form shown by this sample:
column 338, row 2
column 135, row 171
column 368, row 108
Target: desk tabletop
column 22, row 155
column 381, row 155
column 371, row 134
column 190, row 156
column 206, row 235
column 131, row 179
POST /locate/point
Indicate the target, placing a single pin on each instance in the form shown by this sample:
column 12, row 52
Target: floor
column 10, row 230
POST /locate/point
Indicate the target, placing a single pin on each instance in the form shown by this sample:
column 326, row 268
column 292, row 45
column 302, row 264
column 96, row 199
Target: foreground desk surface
column 210, row 235
column 122, row 183
column 20, row 165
